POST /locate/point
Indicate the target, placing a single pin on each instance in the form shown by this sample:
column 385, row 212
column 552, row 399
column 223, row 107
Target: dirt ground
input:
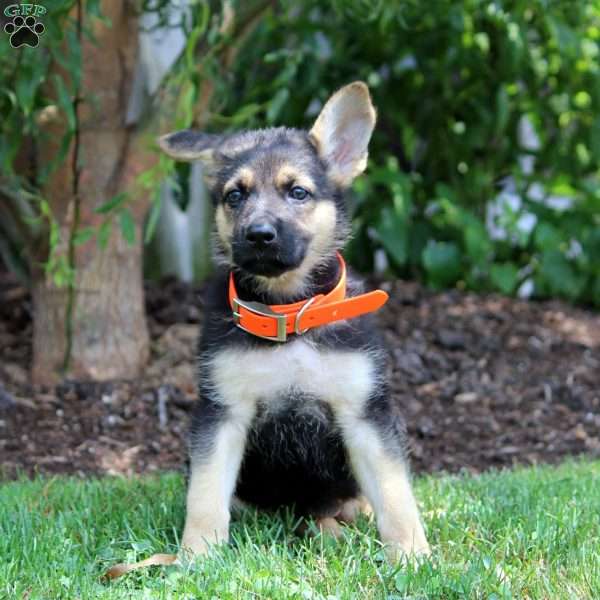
column 485, row 381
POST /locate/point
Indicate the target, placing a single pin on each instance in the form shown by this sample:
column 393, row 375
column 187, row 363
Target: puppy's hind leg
column 218, row 442
column 348, row 512
column 328, row 526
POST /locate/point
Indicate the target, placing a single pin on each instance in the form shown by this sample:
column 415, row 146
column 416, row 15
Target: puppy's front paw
column 199, row 541
column 190, row 549
column 403, row 551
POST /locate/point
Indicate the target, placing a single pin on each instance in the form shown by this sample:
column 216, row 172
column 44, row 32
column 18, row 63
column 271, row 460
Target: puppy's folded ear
column 189, row 145
column 342, row 132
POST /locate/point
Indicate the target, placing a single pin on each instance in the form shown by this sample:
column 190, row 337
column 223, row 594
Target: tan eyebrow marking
column 243, row 177
column 288, row 174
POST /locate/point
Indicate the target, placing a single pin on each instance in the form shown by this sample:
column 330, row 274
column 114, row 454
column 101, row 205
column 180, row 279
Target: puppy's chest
column 274, row 376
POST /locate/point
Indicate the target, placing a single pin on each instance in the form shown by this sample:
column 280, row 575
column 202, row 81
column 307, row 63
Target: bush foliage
column 454, row 83
column 454, row 193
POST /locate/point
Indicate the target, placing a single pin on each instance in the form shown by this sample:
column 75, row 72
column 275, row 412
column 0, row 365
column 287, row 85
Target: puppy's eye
column 298, row 193
column 234, row 197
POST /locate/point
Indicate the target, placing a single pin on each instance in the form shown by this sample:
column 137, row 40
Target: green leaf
column 185, row 105
column 195, row 35
column 595, row 139
column 442, row 261
column 25, row 89
column 547, row 237
column 241, row 117
column 502, row 109
column 146, row 179
column 392, row 232
column 477, row 241
column 113, row 203
column 54, row 235
column 93, row 8
column 559, row 275
column 83, row 235
column 402, row 581
column 152, row 219
column 127, row 225
column 104, row 233
column 504, row 277
column 65, row 101
column 68, row 55
column 275, row 106
column 420, row 232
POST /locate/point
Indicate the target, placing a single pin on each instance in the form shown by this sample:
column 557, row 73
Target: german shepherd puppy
column 308, row 422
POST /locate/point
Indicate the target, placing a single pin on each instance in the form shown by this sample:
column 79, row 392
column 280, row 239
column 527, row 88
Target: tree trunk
column 95, row 328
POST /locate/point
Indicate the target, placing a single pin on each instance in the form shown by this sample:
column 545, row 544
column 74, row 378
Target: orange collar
column 277, row 321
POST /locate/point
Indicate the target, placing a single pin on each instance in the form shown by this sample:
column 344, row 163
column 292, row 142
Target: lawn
column 528, row 533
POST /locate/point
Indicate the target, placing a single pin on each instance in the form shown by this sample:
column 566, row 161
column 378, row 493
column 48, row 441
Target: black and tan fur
column 309, row 422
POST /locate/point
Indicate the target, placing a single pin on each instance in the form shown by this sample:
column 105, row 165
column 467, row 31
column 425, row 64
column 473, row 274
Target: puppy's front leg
column 218, row 441
column 378, row 463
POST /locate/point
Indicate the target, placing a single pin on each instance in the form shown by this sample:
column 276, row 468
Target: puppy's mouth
column 269, row 263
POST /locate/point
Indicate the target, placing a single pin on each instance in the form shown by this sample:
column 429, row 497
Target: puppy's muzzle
column 261, row 235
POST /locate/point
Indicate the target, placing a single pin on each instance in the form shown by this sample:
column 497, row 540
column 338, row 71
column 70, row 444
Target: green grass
column 530, row 533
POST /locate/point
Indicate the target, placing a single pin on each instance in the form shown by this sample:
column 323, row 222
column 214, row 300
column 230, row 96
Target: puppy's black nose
column 261, row 234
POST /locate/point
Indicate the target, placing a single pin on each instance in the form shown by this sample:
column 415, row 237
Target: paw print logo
column 24, row 32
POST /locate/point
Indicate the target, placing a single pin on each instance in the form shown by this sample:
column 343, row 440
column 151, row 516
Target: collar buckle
column 297, row 329
column 264, row 311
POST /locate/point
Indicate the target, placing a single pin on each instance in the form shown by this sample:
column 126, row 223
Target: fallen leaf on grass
column 155, row 559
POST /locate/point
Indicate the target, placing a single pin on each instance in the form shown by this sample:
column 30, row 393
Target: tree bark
column 95, row 328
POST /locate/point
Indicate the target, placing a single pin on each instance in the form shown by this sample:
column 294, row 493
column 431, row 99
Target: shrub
column 455, row 192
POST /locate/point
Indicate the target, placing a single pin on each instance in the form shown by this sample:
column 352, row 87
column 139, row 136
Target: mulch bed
column 486, row 381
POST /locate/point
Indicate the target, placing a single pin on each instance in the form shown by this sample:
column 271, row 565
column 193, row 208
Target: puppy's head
column 277, row 192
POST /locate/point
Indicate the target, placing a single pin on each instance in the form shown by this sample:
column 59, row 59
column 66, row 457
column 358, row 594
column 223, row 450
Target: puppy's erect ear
column 189, row 145
column 342, row 132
